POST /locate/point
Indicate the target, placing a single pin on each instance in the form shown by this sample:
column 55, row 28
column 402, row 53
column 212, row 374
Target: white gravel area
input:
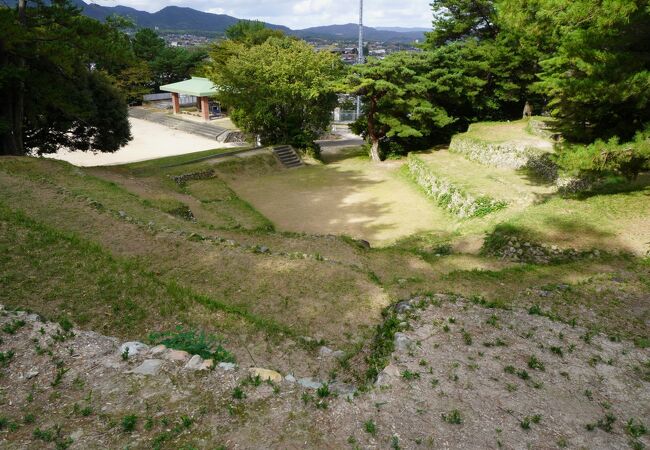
column 150, row 141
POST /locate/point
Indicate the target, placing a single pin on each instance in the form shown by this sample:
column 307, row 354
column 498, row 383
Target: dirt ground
column 150, row 141
column 348, row 195
column 462, row 376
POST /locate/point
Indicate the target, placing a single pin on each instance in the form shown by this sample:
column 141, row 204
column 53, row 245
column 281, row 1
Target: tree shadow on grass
column 351, row 198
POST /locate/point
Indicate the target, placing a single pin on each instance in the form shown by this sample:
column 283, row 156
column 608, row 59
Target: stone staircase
column 287, row 156
column 201, row 129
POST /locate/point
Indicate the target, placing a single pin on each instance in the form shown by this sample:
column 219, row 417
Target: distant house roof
column 197, row 86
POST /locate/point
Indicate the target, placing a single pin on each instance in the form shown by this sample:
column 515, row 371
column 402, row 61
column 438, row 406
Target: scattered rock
column 290, row 378
column 402, row 307
column 386, row 376
column 226, row 366
column 134, row 347
column 265, row 374
column 325, row 351
column 402, row 343
column 76, row 435
column 343, row 389
column 177, row 355
column 310, row 383
column 122, row 214
column 195, row 363
column 148, row 367
column 338, row 354
column 263, row 249
column 31, row 374
column 158, row 349
column 207, row 364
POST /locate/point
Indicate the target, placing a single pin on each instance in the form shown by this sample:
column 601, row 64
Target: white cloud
column 302, row 13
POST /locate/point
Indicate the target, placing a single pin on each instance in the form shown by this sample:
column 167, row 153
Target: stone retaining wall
column 502, row 154
column 448, row 195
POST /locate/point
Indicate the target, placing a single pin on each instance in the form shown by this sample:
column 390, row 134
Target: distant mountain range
column 175, row 18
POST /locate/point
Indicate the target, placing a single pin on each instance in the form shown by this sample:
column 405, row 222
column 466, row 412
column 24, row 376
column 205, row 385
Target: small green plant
column 453, row 417
column 605, row 423
column 435, row 382
column 526, row 421
column 186, row 421
column 65, row 324
column 535, row 310
column 207, row 346
column 589, row 394
column 445, row 328
column 43, row 435
column 238, row 393
column 129, row 422
column 467, row 338
column 535, row 363
column 370, row 427
column 13, row 326
column 394, row 443
column 408, row 375
column 635, row 428
column 493, row 320
column 323, row 391
column 6, row 357
column 557, row 350
column 29, row 418
column 125, row 354
column 523, row 374
column 60, row 372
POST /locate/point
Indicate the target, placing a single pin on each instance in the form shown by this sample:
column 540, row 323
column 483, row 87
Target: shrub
column 608, row 158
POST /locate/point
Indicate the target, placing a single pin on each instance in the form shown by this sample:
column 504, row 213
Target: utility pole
column 360, row 59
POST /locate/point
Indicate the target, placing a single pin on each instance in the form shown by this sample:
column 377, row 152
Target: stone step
column 287, row 156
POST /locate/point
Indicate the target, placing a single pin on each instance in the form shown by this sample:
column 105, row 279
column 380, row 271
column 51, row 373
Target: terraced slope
column 509, row 185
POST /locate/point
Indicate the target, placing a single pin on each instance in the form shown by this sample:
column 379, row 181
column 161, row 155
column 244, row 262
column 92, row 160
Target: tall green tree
column 598, row 79
column 281, row 90
column 397, row 95
column 455, row 20
column 251, row 32
column 147, row 45
column 52, row 82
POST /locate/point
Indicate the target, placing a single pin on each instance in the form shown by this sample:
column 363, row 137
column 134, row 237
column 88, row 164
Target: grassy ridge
column 61, row 275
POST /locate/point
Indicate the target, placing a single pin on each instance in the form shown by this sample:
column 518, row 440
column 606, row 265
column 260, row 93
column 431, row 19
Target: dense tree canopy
column 455, row 20
column 597, row 76
column 398, row 100
column 54, row 82
column 281, row 90
column 585, row 62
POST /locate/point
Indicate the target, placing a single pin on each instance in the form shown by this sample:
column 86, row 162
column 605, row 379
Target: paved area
column 150, row 141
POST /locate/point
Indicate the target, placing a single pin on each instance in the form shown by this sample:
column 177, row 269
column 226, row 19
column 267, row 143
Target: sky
column 298, row 14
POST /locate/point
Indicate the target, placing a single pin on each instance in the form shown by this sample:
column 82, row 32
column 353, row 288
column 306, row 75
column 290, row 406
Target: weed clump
column 453, row 417
column 205, row 345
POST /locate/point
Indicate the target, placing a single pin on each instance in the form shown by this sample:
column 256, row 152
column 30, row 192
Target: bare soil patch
column 350, row 196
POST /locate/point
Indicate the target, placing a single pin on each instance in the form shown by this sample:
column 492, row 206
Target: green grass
column 194, row 342
column 55, row 272
column 153, row 166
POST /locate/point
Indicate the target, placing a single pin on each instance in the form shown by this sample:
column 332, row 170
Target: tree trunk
column 18, row 104
column 372, row 133
column 374, row 151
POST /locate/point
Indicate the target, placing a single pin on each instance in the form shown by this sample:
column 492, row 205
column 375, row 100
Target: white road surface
column 150, row 141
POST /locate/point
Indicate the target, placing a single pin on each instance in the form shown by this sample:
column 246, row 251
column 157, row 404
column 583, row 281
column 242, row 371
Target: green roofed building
column 201, row 88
